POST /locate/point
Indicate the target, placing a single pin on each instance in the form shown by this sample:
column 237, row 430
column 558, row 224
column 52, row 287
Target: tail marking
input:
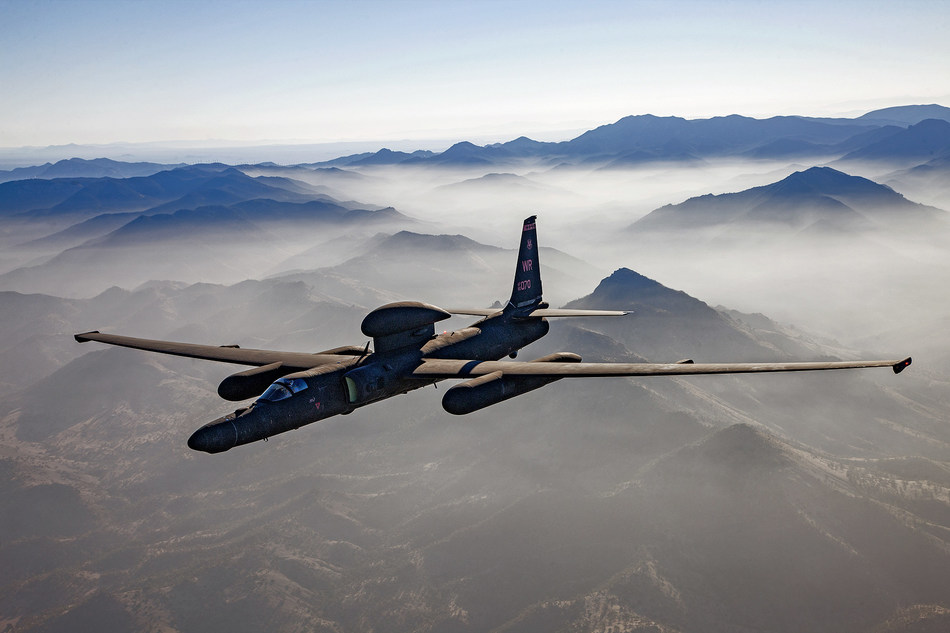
column 526, row 291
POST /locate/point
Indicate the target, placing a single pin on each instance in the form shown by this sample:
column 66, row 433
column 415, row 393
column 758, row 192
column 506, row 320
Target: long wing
column 441, row 368
column 227, row 354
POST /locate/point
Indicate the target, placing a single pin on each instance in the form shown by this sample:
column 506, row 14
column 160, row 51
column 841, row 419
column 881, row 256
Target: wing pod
column 495, row 387
column 402, row 324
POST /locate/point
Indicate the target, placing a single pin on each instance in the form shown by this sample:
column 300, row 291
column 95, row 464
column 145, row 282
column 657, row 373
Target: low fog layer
column 885, row 275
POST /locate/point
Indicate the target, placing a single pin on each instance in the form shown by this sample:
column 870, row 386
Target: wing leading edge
column 226, row 354
column 441, row 368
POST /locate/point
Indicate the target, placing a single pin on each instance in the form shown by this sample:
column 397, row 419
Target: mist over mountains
column 695, row 504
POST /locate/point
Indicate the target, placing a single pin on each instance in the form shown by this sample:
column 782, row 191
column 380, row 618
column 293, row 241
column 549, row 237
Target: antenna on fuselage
column 364, row 353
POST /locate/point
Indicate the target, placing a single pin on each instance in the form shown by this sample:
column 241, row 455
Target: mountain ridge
column 637, row 139
column 800, row 199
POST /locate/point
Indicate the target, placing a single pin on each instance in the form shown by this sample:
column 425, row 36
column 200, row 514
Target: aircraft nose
column 215, row 437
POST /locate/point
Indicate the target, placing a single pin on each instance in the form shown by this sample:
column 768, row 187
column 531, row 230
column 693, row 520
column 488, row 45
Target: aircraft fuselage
column 300, row 399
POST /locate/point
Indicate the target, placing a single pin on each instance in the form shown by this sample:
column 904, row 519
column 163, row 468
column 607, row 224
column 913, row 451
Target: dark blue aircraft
column 296, row 388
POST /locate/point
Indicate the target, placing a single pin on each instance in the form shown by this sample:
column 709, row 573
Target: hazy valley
column 761, row 503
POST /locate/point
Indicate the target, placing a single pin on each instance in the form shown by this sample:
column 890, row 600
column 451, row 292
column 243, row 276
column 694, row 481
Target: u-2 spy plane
column 294, row 388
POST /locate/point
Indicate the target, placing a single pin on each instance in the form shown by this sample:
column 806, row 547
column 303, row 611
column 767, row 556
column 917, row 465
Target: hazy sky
column 99, row 72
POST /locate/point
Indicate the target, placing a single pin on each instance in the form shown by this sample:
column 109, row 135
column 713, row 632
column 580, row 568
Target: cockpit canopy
column 282, row 389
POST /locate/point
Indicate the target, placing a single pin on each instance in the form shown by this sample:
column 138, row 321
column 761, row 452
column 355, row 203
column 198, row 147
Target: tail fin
column 525, row 302
column 526, row 292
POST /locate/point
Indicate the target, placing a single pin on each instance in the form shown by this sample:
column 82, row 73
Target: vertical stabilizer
column 526, row 292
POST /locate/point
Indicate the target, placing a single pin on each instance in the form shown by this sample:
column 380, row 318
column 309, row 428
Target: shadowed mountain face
column 669, row 325
column 817, row 195
column 922, row 142
column 80, row 168
column 83, row 197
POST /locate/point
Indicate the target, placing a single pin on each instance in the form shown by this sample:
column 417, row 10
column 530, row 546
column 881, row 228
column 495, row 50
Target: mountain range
column 635, row 140
column 165, row 190
column 763, row 504
column 80, row 168
column 526, row 516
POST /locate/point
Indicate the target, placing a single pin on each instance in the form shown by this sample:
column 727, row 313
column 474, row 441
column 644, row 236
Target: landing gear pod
column 495, row 387
column 251, row 383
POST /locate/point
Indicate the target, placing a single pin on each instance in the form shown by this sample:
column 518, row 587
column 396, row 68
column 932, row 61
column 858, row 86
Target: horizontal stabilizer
column 473, row 311
column 541, row 312
column 554, row 312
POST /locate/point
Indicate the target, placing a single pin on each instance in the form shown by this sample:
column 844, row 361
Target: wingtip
column 901, row 366
column 82, row 338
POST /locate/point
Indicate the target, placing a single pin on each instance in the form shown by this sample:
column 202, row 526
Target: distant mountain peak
column 795, row 202
column 386, row 156
column 628, row 279
column 625, row 288
column 411, row 240
column 462, row 146
column 826, row 179
column 909, row 114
